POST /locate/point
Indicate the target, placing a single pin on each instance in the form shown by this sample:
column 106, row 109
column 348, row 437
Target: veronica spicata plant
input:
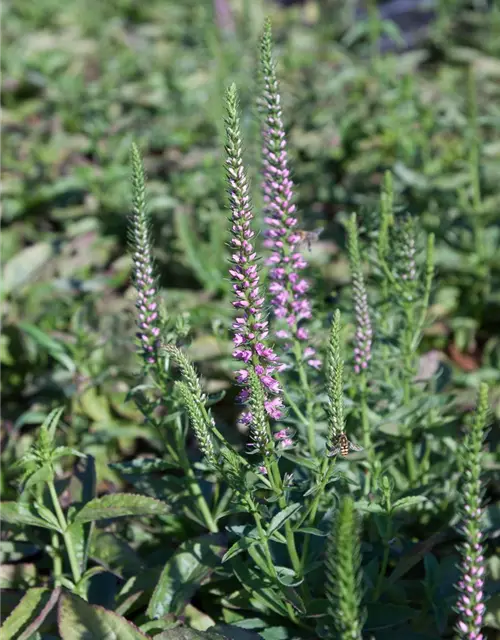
column 471, row 603
column 286, row 527
column 288, row 290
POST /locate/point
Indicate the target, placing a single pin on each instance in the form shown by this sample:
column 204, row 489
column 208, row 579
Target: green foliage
column 119, row 506
column 29, row 614
column 130, row 506
column 78, row 619
column 186, row 570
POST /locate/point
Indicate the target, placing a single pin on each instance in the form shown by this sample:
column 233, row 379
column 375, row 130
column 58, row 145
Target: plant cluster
column 332, row 485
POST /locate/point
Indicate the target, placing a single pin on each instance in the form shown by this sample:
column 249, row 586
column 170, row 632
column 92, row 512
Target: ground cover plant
column 286, row 427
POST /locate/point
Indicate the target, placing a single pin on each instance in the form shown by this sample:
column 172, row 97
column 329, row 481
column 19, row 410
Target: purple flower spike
column 143, row 276
column 470, row 605
column 250, row 326
column 364, row 334
column 288, row 288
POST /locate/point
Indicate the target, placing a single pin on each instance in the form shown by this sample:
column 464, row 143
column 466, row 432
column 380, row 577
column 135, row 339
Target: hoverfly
column 308, row 237
column 343, row 445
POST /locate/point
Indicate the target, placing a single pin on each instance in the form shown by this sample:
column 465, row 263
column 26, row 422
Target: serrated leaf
column 280, row 518
column 120, row 505
column 79, row 620
column 22, row 513
column 29, row 614
column 184, row 573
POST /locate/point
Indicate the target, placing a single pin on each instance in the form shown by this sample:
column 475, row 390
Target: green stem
column 293, row 405
column 56, row 558
column 193, row 484
column 199, row 498
column 275, row 477
column 382, row 572
column 410, row 460
column 271, row 567
column 408, row 373
column 265, row 543
column 366, row 431
column 311, row 435
column 73, row 562
column 326, row 470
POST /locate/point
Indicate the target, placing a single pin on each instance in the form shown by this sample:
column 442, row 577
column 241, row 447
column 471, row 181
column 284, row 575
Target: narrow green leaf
column 280, row 518
column 82, row 488
column 408, row 502
column 287, row 577
column 240, row 545
column 120, row 505
column 51, row 421
column 79, row 620
column 312, row 531
column 40, row 477
column 183, row 574
column 22, row 513
column 253, row 583
column 29, row 614
column 46, row 514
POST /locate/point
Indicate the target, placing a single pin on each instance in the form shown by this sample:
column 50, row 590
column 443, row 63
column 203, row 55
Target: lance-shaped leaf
column 183, row 574
column 29, row 614
column 22, row 513
column 280, row 518
column 79, row 620
column 119, row 505
column 82, row 488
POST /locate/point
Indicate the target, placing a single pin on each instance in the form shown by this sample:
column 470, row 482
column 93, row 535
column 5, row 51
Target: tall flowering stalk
column 250, row 326
column 194, row 400
column 470, row 604
column 343, row 574
column 362, row 338
column 288, row 288
column 364, row 333
column 335, row 384
column 143, row 270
